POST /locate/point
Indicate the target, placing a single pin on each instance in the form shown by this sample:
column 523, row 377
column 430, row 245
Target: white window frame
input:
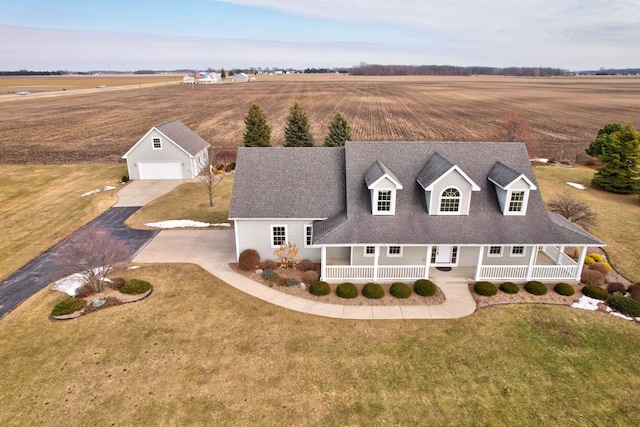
column 308, row 235
column 514, row 254
column 272, row 235
column 366, row 254
column 153, row 143
column 490, row 254
column 440, row 197
column 392, row 201
column 399, row 254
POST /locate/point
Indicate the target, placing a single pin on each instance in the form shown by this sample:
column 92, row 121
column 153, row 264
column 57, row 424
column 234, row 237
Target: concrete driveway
column 140, row 192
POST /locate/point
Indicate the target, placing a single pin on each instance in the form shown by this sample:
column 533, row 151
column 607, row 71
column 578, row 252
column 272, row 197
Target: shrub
column 634, row 292
column 400, row 290
column 588, row 260
column 624, row 305
column 310, row 276
column 564, row 289
column 292, row 281
column 596, row 257
column 535, row 288
column 347, row 290
column 606, row 265
column 425, row 288
column 616, row 287
column 594, row 291
column 486, row 289
column 268, row 265
column 373, row 291
column 117, row 283
column 601, row 267
column 269, row 274
column 68, row 306
column 509, row 288
column 305, row 265
column 125, row 178
column 249, row 260
column 319, row 288
column 592, row 277
column 85, row 290
column 135, row 286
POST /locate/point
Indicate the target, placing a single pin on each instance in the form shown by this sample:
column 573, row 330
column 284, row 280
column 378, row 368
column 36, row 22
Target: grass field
column 199, row 352
column 40, row 205
column 564, row 113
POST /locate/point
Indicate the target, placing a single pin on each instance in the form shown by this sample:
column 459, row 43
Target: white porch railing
column 538, row 272
column 553, row 252
column 385, row 272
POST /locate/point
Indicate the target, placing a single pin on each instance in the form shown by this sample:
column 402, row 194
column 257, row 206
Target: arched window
column 450, row 200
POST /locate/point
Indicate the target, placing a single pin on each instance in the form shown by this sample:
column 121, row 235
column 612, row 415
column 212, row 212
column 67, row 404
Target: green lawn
column 618, row 215
column 199, row 352
column 40, row 205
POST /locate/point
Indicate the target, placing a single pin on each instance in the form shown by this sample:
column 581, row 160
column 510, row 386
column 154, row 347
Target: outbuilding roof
column 179, row 134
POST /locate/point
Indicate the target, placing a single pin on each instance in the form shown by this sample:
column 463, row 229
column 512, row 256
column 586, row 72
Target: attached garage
column 168, row 151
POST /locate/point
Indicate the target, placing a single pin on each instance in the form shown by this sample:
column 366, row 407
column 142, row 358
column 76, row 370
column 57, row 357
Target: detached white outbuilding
column 209, row 79
column 170, row 150
column 241, row 78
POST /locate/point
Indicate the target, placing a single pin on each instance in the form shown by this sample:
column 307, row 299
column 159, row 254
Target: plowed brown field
column 564, row 113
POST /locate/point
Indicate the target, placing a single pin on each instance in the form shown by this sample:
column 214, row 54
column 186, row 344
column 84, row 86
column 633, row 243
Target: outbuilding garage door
column 160, row 170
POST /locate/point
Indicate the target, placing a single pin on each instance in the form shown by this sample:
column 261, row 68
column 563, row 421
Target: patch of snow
column 108, row 188
column 541, row 160
column 133, row 267
column 615, row 313
column 98, row 190
column 586, row 303
column 180, row 223
column 578, row 186
column 69, row 284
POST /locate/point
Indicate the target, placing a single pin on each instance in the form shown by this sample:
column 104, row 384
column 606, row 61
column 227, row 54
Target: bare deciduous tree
column 512, row 127
column 211, row 177
column 573, row 209
column 93, row 253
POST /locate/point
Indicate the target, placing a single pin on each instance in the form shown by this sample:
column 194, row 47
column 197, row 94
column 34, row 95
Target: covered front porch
column 445, row 263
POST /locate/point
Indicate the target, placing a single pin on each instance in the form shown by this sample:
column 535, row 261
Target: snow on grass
column 98, row 190
column 71, row 283
column 587, row 303
column 181, row 223
column 541, row 160
column 578, row 186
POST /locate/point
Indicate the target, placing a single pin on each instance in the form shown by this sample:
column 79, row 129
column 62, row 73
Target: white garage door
column 160, row 170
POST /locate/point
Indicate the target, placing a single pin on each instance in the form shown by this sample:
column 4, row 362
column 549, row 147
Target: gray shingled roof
column 183, row 136
column 279, row 182
column 315, row 182
column 437, row 166
column 503, row 175
column 377, row 171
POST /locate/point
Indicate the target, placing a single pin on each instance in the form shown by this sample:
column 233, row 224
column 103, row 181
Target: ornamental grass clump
column 592, row 277
column 535, row 288
column 68, row 306
column 509, row 288
column 594, row 291
column 310, row 276
column 486, row 289
column 400, row 290
column 372, row 291
column 347, row 290
column 425, row 288
column 319, row 288
column 564, row 289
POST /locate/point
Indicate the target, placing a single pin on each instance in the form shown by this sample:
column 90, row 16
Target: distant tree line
column 326, row 70
column 32, row 73
column 451, row 70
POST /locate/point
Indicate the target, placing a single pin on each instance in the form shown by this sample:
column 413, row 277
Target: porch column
column 532, row 262
column 427, row 263
column 583, row 254
column 376, row 253
column 479, row 263
column 323, row 262
column 559, row 256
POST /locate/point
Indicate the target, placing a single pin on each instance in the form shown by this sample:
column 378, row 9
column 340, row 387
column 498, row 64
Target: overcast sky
column 171, row 34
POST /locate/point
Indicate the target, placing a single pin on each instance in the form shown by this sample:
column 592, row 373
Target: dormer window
column 512, row 189
column 384, row 201
column 383, row 185
column 450, row 201
column 517, row 201
column 157, row 144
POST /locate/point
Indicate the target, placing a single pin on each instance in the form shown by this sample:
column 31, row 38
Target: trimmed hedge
column 535, row 288
column 624, row 305
column 509, row 288
column 68, row 306
column 319, row 288
column 594, row 291
column 347, row 290
column 269, row 274
column 425, row 288
column 248, row 260
column 486, row 289
column 372, row 291
column 400, row 290
column 564, row 289
column 135, row 286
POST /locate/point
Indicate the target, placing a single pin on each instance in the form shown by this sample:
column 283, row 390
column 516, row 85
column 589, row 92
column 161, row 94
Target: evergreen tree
column 595, row 149
column 297, row 133
column 619, row 151
column 257, row 132
column 223, row 75
column 339, row 131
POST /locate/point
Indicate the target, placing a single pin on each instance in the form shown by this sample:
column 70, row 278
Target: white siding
column 256, row 234
column 453, row 179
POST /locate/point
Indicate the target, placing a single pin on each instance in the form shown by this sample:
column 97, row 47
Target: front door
column 444, row 255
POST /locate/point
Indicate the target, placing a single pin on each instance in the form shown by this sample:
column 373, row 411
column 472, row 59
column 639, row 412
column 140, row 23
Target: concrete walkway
column 213, row 250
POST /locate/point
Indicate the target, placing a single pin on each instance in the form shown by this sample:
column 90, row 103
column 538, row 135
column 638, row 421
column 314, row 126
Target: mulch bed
column 112, row 297
column 524, row 297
